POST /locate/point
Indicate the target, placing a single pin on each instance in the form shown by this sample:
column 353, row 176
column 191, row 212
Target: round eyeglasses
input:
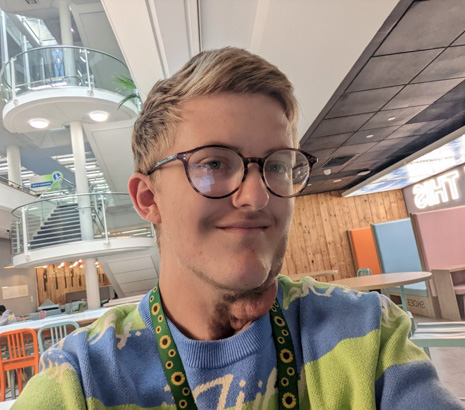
column 215, row 171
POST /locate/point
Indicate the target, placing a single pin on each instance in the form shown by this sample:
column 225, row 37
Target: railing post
column 18, row 240
column 13, row 78
column 89, row 91
column 25, row 237
column 102, row 200
column 153, row 230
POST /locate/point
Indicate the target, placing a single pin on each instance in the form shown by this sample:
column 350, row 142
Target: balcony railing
column 57, row 67
column 6, row 181
column 55, row 221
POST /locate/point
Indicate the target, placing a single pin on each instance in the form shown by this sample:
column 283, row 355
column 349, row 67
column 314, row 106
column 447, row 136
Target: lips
column 245, row 225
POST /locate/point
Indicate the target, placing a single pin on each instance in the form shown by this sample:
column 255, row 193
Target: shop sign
column 438, row 190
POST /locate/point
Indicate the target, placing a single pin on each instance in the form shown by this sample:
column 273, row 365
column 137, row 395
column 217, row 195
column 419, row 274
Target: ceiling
column 404, row 93
column 376, row 81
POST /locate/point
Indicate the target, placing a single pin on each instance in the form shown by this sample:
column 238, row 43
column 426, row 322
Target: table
column 385, row 280
column 123, row 301
column 83, row 318
column 314, row 274
column 444, row 285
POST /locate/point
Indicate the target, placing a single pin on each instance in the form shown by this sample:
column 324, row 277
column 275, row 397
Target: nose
column 252, row 193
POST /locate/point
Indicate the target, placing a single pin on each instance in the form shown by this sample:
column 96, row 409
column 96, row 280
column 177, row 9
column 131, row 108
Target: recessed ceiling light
column 366, row 172
column 327, row 172
column 391, row 118
column 337, row 180
column 39, row 123
column 98, row 116
column 370, row 136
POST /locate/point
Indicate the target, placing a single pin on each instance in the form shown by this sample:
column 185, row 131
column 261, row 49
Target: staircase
column 62, row 226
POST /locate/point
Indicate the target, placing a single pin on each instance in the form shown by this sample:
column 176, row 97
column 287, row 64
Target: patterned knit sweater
column 352, row 352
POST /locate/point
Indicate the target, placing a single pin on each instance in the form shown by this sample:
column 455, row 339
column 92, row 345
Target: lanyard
column 288, row 396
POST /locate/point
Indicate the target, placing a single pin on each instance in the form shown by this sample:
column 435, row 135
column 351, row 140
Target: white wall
column 15, row 277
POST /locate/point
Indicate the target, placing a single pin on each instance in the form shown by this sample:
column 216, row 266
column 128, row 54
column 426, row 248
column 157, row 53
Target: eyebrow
column 235, row 148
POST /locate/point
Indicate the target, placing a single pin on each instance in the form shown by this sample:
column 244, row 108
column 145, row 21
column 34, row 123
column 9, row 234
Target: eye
column 213, row 164
column 277, row 167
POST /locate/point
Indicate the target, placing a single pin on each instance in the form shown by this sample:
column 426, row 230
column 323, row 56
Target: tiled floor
column 449, row 363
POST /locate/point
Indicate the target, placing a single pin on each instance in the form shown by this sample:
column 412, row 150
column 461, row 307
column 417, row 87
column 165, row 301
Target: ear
column 143, row 197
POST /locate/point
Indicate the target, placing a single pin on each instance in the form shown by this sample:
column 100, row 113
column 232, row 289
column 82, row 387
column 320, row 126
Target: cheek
column 284, row 212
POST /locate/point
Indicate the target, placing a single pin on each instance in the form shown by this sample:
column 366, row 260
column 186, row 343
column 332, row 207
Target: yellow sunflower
column 286, row 355
column 178, row 378
column 165, row 342
column 289, row 400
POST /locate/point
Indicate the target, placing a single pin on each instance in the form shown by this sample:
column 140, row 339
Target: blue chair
column 50, row 334
column 364, row 272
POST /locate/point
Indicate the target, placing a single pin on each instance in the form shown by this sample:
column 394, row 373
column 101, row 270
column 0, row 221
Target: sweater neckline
column 215, row 353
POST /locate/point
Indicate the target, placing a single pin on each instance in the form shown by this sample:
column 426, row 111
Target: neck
column 202, row 312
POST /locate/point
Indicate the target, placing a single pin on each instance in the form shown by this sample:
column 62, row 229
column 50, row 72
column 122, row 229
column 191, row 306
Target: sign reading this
column 442, row 191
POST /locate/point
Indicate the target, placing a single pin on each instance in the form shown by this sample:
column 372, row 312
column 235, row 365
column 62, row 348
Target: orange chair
column 18, row 355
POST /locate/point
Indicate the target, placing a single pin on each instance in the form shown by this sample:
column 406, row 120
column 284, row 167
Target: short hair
column 229, row 70
column 2, row 308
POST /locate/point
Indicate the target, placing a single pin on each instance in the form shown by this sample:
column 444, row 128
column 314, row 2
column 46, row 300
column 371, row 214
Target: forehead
column 248, row 122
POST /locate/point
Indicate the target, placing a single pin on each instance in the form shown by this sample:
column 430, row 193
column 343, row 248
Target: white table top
column 36, row 324
column 123, row 301
column 7, row 404
column 315, row 274
column 383, row 280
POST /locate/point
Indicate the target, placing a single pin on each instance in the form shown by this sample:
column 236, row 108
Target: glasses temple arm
column 163, row 162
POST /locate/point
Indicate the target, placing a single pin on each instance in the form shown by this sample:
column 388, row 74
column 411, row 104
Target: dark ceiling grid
column 405, row 93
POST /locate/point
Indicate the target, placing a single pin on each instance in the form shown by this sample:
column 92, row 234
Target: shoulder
column 110, row 333
column 320, row 294
column 322, row 303
column 120, row 318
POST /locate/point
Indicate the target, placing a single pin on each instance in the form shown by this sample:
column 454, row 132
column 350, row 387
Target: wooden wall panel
column 318, row 239
column 54, row 283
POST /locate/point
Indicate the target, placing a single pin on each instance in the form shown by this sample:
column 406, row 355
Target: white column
column 85, row 211
column 67, row 40
column 14, row 164
column 65, row 23
column 92, row 288
column 4, row 39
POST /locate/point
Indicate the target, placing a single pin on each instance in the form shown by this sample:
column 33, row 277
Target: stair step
column 69, row 218
column 61, row 221
column 42, row 235
column 59, row 227
column 63, row 214
column 45, row 244
column 76, row 235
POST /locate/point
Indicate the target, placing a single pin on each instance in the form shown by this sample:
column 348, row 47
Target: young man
column 217, row 170
column 7, row 316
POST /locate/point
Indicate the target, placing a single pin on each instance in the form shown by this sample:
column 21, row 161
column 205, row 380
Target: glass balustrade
column 70, row 218
column 57, row 66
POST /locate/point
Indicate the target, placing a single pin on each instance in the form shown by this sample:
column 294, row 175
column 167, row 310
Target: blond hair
column 229, row 69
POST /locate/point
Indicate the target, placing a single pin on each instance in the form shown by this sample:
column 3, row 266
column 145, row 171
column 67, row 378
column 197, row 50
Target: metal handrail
column 60, row 46
column 5, row 64
column 66, row 197
column 6, row 181
column 71, row 76
column 36, row 229
column 49, row 189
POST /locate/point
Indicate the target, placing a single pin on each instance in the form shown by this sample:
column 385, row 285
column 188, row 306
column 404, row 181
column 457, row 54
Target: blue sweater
column 352, row 352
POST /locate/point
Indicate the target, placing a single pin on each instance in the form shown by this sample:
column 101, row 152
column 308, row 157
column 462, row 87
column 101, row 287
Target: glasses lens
column 286, row 172
column 215, row 172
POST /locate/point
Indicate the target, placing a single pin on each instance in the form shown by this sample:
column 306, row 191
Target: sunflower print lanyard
column 288, row 396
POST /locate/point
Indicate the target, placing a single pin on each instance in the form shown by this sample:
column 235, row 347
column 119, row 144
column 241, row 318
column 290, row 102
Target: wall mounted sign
column 43, row 182
column 10, row 292
column 442, row 191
